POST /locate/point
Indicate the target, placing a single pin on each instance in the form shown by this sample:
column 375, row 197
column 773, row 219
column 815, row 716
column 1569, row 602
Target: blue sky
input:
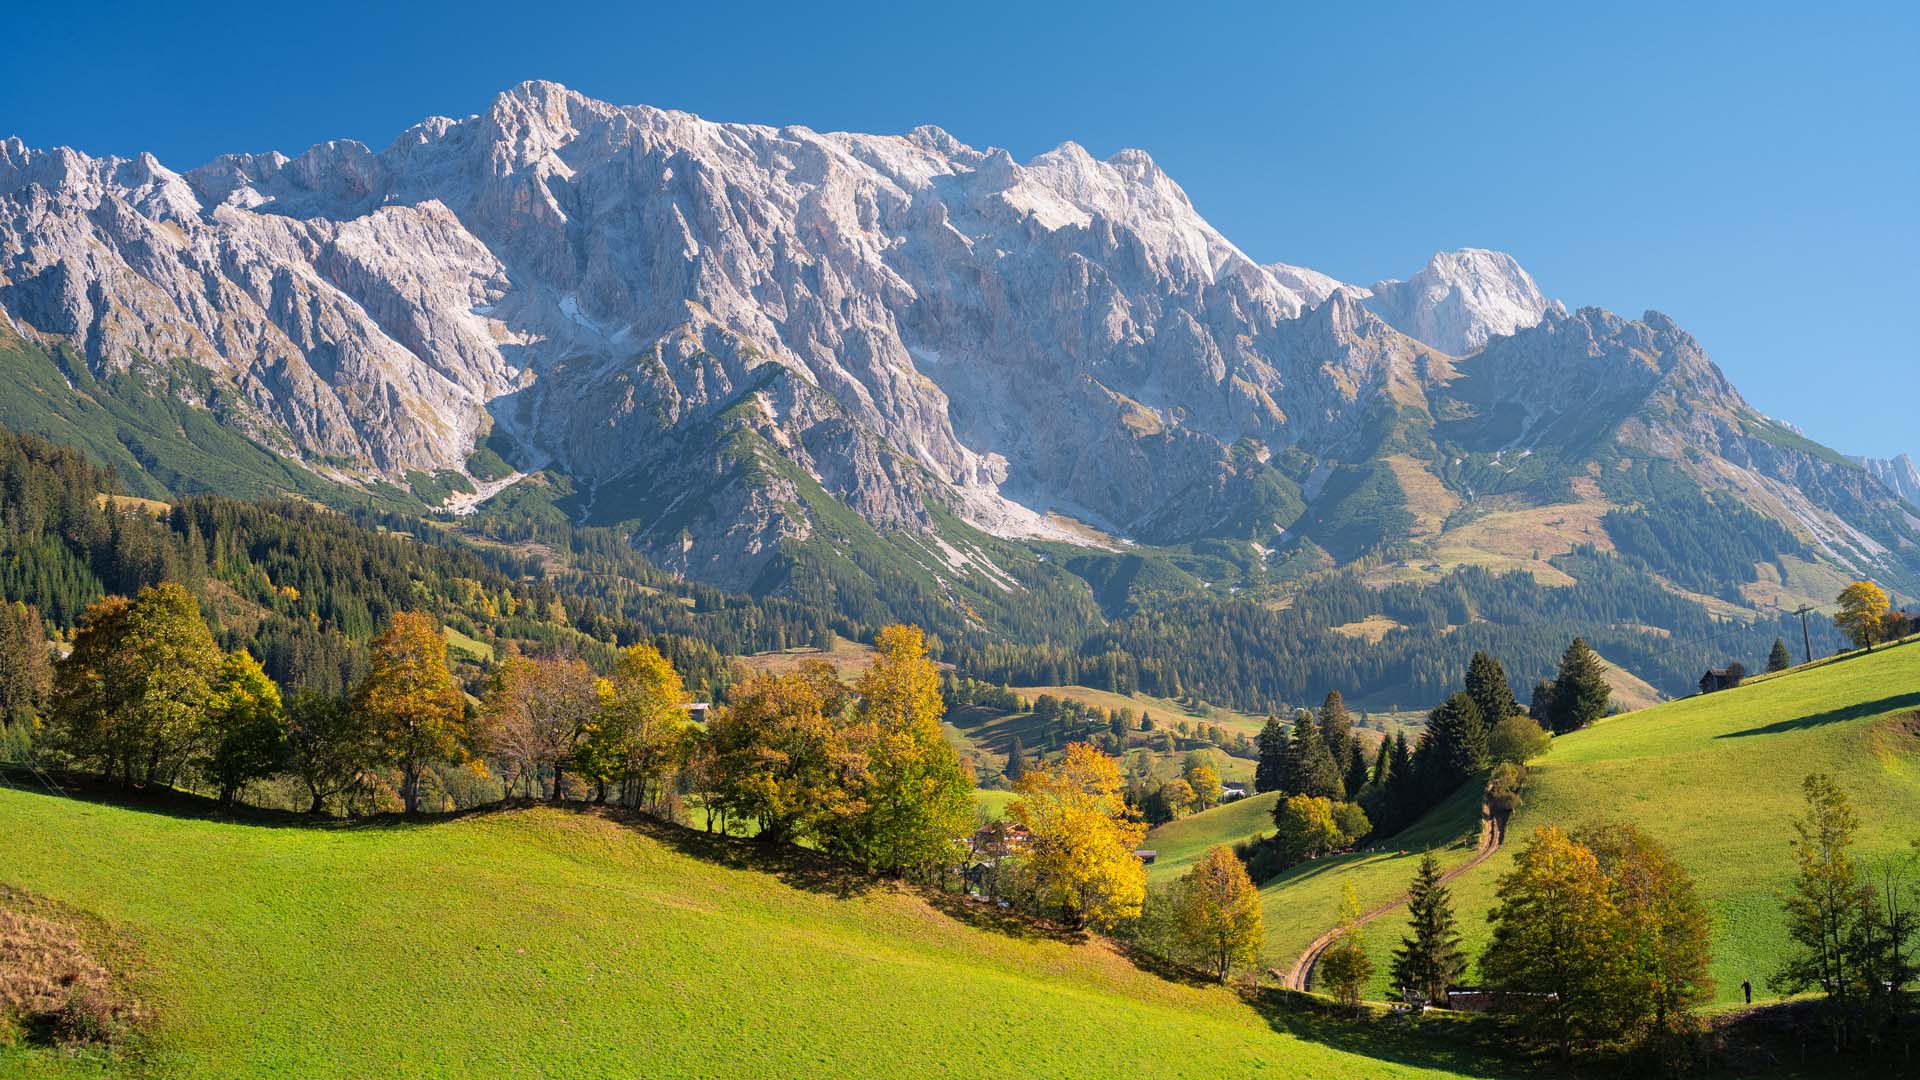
column 1752, row 170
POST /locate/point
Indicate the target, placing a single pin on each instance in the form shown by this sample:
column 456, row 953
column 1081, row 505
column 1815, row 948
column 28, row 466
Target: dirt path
column 1493, row 832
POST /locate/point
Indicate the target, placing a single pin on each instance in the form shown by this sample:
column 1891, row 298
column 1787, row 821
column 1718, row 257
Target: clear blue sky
column 1752, row 170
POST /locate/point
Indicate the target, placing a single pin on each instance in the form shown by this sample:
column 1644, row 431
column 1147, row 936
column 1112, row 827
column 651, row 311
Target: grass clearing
column 1180, row 844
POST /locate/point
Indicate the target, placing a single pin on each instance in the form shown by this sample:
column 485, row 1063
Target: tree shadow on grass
column 1859, row 711
column 189, row 806
column 798, row 867
column 1461, row 1044
column 1007, row 922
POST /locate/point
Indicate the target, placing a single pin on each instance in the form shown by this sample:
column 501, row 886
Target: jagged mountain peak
column 620, row 292
column 1461, row 299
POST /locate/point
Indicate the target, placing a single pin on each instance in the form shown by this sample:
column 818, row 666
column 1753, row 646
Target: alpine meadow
column 588, row 590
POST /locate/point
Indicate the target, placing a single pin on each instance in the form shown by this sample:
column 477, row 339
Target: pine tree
column 1487, row 684
column 1271, row 773
column 1336, row 725
column 1311, row 769
column 1779, row 659
column 1581, row 693
column 1429, row 959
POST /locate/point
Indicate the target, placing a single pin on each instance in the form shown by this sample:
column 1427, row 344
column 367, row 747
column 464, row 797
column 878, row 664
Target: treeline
column 303, row 589
column 1335, row 794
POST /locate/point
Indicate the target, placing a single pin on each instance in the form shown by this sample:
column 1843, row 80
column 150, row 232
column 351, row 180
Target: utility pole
column 1806, row 639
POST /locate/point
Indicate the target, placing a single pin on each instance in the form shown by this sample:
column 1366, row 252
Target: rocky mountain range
column 739, row 342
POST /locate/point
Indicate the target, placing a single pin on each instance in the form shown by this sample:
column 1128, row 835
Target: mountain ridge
column 693, row 321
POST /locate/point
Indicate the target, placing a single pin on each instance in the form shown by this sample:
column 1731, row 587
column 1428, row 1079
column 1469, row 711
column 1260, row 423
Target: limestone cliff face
column 646, row 300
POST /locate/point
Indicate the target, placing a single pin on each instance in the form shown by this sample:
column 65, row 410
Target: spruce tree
column 1356, row 769
column 1016, row 760
column 1459, row 741
column 1271, row 772
column 1382, row 763
column 1429, row 959
column 1487, row 683
column 1581, row 693
column 1336, row 725
column 1779, row 659
column 1311, row 770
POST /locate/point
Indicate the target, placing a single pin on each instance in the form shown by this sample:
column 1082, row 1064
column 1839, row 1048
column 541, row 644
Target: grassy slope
column 547, row 943
column 1716, row 778
column 1180, row 844
column 1303, row 902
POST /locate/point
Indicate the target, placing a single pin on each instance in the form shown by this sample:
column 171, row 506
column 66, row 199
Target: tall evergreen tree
column 1429, row 959
column 1581, row 693
column 1271, row 772
column 1311, row 768
column 1779, row 659
column 1487, row 684
column 1382, row 763
column 1336, row 725
column 1016, row 761
column 1356, row 769
column 1458, row 746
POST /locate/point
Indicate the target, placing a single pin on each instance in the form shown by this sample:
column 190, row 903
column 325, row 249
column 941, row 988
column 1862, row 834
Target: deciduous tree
column 1863, row 613
column 1344, row 967
column 1517, row 739
column 246, row 732
column 329, row 746
column 416, row 714
column 1205, row 783
column 1084, row 837
column 1305, row 828
column 915, row 799
column 1217, row 913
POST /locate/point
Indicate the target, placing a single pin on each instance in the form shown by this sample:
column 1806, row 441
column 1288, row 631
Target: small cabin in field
column 1722, row 678
column 1232, row 791
column 1147, row 855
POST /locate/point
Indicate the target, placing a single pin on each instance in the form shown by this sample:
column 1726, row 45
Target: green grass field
column 1716, row 778
column 1180, row 844
column 544, row 942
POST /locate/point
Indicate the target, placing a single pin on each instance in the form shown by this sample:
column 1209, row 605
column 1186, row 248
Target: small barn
column 1722, row 678
column 1147, row 855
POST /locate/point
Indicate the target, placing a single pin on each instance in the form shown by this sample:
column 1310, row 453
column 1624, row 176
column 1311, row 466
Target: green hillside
column 549, row 943
column 1180, row 844
column 1716, row 778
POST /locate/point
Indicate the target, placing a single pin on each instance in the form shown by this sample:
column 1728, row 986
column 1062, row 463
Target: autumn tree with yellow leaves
column 415, row 712
column 913, row 799
column 1216, row 914
column 1863, row 613
column 1084, row 837
column 641, row 735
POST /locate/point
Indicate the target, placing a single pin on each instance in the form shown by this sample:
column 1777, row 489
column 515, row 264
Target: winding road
column 1493, row 832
